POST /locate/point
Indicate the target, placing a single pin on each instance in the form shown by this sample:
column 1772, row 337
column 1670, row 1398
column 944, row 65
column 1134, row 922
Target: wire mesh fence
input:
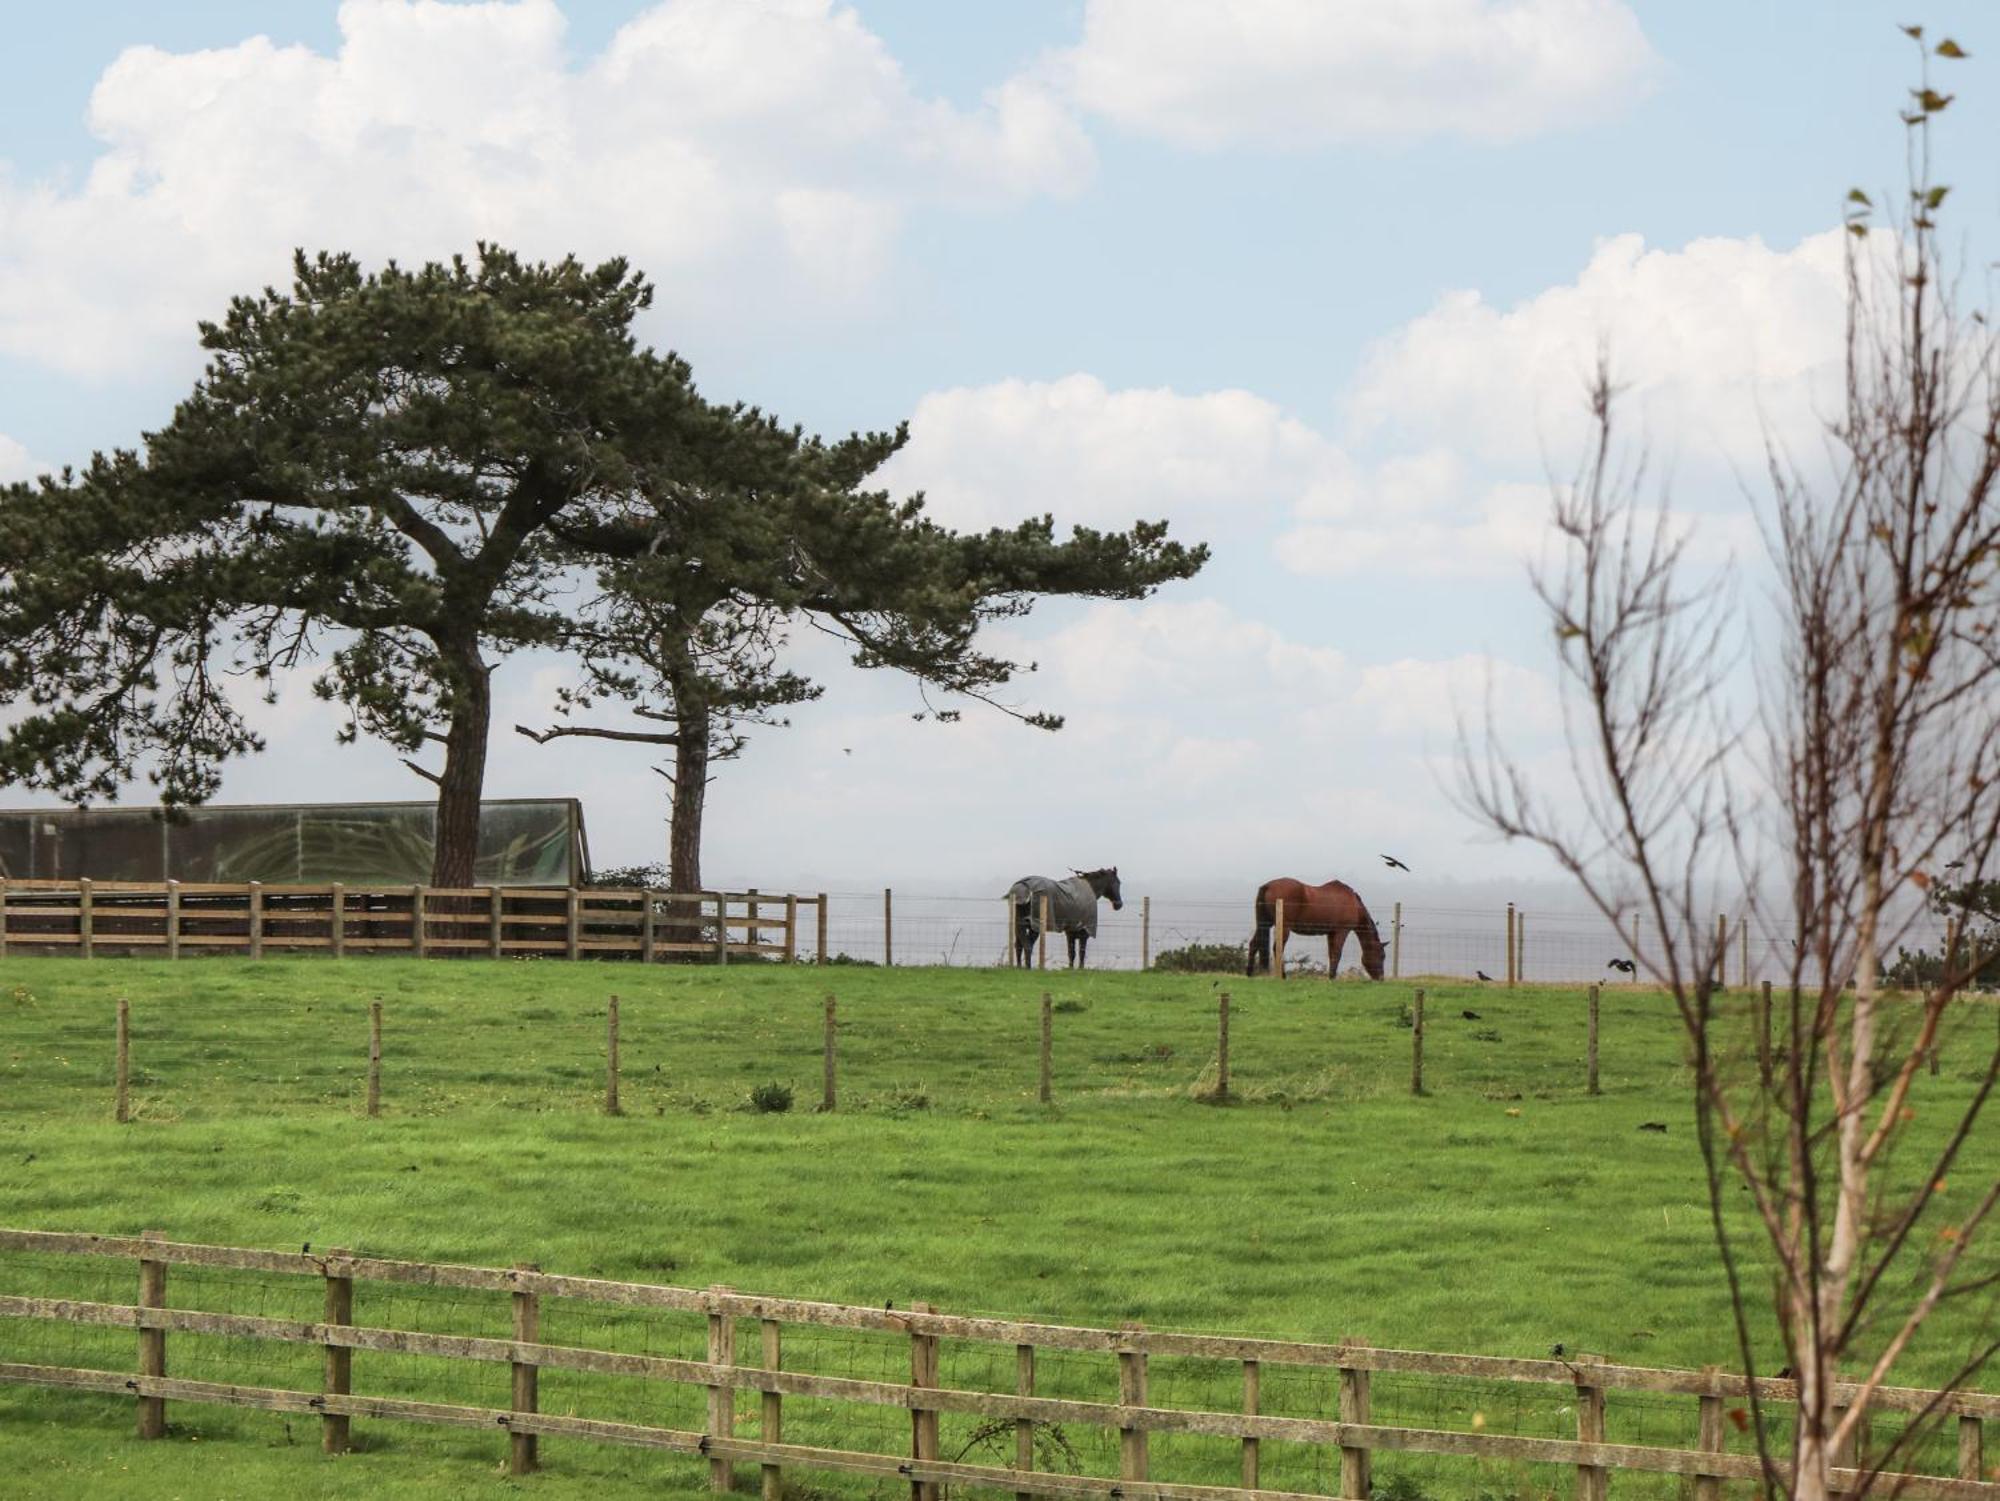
column 915, row 928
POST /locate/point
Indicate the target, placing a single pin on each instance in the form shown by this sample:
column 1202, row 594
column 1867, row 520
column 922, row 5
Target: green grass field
column 1505, row 1211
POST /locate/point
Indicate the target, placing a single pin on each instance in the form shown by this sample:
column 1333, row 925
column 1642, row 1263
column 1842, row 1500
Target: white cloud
column 761, row 150
column 989, row 455
column 15, row 463
column 1304, row 72
column 1434, row 697
column 1711, row 342
column 1718, row 348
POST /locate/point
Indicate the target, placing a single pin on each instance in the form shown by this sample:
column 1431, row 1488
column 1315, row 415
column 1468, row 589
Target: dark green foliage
column 1201, row 958
column 771, row 1099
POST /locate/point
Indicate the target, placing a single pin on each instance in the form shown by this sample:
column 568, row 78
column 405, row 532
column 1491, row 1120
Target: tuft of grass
column 771, row 1099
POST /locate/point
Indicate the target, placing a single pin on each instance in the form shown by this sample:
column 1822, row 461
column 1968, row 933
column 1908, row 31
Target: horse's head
column 1371, row 947
column 1105, row 884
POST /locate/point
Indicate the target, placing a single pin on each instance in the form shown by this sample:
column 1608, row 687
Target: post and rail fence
column 934, row 1389
column 174, row 919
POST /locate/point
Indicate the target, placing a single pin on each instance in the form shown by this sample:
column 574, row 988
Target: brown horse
column 1334, row 909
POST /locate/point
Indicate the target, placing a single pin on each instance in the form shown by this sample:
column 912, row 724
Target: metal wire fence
column 915, row 928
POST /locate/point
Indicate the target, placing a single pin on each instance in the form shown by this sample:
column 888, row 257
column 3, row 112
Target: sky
column 1318, row 282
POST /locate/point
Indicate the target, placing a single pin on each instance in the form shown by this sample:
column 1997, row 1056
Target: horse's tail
column 1263, row 916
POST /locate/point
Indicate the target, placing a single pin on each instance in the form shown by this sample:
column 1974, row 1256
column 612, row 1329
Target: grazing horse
column 1334, row 909
column 1072, row 910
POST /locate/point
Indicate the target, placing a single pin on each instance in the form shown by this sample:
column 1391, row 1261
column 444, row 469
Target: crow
column 1393, row 863
column 1556, row 1350
column 1652, row 1125
column 1471, row 1016
column 1626, row 965
column 1482, row 974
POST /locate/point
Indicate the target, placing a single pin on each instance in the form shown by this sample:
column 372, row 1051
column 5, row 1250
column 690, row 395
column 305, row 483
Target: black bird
column 1482, row 974
column 1556, row 1350
column 1471, row 1016
column 1652, row 1125
column 1625, row 965
column 1393, row 863
column 306, row 1248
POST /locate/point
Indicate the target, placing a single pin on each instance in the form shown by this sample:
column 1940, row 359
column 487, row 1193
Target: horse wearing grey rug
column 1072, row 910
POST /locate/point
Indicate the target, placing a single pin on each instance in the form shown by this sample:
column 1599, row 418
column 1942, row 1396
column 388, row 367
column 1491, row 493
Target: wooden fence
column 1355, row 1435
column 177, row 918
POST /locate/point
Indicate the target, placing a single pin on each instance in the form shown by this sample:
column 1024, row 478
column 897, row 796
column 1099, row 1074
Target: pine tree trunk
column 464, row 775
column 690, row 797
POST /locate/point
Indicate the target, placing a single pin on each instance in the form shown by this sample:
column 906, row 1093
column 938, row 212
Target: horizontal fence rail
column 175, row 918
column 1129, row 1350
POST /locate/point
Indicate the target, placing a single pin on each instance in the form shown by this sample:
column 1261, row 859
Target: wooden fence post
column 1354, row 1459
column 85, row 923
column 1510, row 943
column 923, row 1420
column 256, row 919
column 1634, row 956
column 1145, row 932
column 1396, row 944
column 1253, row 1383
column 1024, row 1428
column 888, row 928
column 339, row 1364
column 1743, row 951
column 1132, row 1455
column 828, row 1064
column 418, row 905
column 1417, row 1044
column 1048, row 1049
column 1592, row 1481
column 337, row 921
column 522, row 1458
column 1709, row 1440
column 1222, row 1046
column 122, row 1104
column 1044, row 961
column 496, row 929
column 819, row 920
column 1590, row 1065
column 374, row 1059
column 648, row 936
column 573, row 913
column 772, row 1412
column 791, row 929
column 1278, row 937
column 754, row 934
column 721, row 1399
column 1971, row 1449
column 1763, row 1021
column 3, row 917
column 611, row 1058
column 722, row 927
column 1721, row 949
column 152, row 1342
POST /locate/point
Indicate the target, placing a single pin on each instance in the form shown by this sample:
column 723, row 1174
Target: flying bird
column 1393, row 863
column 1482, row 974
column 1626, row 965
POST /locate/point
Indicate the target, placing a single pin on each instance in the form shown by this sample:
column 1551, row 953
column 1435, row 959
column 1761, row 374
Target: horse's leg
column 1336, row 940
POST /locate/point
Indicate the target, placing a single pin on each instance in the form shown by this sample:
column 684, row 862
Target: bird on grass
column 1482, row 974
column 1652, row 1125
column 1393, row 863
column 1624, row 965
column 1471, row 1016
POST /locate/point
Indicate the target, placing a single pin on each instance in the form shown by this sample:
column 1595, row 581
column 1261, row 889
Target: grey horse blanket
column 1072, row 904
